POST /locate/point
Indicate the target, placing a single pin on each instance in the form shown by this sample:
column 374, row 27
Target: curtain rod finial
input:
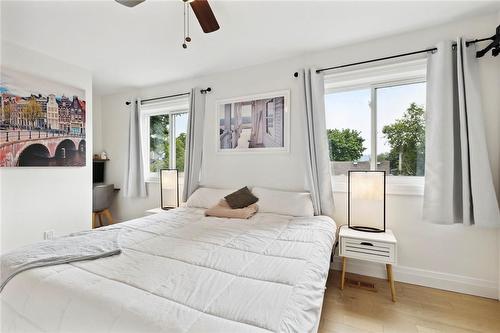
column 296, row 74
column 204, row 91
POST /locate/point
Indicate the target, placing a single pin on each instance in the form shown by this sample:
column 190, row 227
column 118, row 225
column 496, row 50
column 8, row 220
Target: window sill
column 152, row 180
column 396, row 185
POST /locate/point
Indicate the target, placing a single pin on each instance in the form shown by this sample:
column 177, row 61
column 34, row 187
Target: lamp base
column 366, row 229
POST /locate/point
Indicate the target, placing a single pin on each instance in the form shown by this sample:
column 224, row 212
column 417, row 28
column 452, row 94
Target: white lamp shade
column 367, row 200
column 169, row 188
column 168, row 179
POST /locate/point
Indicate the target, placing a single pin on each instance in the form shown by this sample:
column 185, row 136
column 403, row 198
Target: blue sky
column 350, row 109
column 24, row 85
column 181, row 123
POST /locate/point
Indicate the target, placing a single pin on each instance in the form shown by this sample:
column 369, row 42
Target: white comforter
column 182, row 272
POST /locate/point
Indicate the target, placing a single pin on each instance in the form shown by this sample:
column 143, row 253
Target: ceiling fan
column 201, row 9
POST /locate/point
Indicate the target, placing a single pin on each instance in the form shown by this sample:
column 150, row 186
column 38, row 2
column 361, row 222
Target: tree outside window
column 345, row 144
column 161, row 156
column 159, row 142
column 406, row 137
column 393, row 126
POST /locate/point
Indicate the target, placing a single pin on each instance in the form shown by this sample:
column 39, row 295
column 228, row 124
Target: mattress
column 180, row 271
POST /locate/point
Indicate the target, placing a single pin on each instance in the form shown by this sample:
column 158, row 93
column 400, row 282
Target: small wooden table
column 378, row 247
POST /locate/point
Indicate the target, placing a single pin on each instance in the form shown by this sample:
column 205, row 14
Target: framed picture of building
column 257, row 123
column 42, row 122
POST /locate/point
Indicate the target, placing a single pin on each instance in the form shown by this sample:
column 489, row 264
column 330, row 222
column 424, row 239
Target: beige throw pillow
column 222, row 209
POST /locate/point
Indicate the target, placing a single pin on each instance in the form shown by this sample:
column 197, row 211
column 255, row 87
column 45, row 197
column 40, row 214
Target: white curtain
column 318, row 160
column 194, row 143
column 458, row 181
column 134, row 184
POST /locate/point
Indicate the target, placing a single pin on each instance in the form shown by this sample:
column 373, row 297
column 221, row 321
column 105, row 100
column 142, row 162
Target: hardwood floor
column 417, row 309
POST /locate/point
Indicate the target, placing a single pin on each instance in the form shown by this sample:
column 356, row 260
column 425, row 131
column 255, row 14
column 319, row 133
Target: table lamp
column 169, row 188
column 366, row 200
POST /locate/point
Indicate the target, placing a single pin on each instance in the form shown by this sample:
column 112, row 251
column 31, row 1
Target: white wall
column 498, row 232
column 96, row 124
column 451, row 257
column 33, row 200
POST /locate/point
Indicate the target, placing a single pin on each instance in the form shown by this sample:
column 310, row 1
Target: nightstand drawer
column 368, row 250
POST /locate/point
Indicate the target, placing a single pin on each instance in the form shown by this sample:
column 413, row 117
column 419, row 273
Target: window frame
column 170, row 108
column 373, row 78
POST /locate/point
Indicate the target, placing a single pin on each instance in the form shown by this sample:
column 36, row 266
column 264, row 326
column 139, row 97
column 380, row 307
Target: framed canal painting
column 257, row 123
column 42, row 123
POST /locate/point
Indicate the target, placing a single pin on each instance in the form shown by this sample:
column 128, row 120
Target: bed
column 180, row 271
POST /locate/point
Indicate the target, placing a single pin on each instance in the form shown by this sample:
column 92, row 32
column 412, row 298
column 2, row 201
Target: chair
column 102, row 195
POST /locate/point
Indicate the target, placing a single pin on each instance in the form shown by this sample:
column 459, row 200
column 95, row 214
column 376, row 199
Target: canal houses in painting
column 63, row 115
column 52, row 112
column 42, row 123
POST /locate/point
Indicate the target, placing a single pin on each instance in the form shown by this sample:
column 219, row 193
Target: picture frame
column 42, row 122
column 258, row 123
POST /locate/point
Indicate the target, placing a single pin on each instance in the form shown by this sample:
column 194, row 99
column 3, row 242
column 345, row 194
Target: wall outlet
column 49, row 234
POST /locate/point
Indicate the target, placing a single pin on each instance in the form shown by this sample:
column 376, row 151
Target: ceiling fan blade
column 205, row 15
column 129, row 3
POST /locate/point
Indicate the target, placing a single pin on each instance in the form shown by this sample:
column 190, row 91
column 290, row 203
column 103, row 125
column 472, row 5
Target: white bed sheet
column 180, row 271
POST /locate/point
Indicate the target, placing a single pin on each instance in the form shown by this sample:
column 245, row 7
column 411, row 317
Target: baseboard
column 432, row 279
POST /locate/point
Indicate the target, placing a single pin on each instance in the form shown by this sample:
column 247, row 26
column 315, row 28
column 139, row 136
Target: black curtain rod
column 203, row 91
column 377, row 59
column 477, row 41
column 434, row 49
column 163, row 97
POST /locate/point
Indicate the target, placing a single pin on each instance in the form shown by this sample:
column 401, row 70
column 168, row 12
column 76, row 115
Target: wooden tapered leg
column 342, row 275
column 94, row 220
column 99, row 215
column 390, row 278
column 107, row 213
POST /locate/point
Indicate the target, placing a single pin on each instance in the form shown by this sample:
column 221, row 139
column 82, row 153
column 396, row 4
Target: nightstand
column 378, row 247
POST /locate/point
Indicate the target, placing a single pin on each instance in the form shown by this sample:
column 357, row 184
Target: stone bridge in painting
column 40, row 144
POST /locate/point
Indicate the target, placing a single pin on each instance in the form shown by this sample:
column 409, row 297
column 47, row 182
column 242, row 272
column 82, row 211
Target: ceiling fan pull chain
column 184, row 45
column 188, row 36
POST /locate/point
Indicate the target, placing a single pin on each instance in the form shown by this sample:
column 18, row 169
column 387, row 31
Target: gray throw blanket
column 84, row 245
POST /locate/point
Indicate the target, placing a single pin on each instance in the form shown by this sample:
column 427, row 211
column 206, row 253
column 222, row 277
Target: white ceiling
column 141, row 46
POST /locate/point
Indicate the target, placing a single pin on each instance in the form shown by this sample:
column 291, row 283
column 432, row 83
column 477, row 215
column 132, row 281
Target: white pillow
column 206, row 197
column 283, row 202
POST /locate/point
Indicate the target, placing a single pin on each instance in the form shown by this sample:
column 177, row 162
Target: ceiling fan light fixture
column 130, row 3
column 200, row 8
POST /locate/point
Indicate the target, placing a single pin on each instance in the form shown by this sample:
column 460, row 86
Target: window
column 348, row 128
column 180, row 132
column 159, row 142
column 375, row 121
column 164, row 129
column 401, row 129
